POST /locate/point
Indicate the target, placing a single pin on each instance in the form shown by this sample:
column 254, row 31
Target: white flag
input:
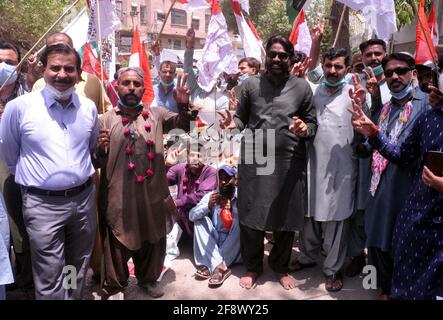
column 244, row 5
column 380, row 15
column 251, row 44
column 218, row 54
column 195, row 5
column 77, row 29
column 108, row 21
column 300, row 36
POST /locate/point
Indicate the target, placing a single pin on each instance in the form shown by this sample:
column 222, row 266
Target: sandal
column 219, row 276
column 334, row 283
column 202, row 273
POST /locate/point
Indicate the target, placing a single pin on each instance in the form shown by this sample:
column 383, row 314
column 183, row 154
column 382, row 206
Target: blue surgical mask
column 58, row 95
column 402, row 94
column 377, row 70
column 337, row 84
column 5, row 72
column 120, row 102
column 243, row 77
column 167, row 84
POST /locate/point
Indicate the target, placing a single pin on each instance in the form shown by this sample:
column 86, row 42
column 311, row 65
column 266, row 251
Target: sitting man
column 194, row 179
column 216, row 230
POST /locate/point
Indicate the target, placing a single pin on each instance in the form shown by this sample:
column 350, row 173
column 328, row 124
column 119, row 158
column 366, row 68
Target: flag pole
column 101, row 55
column 428, row 43
column 39, row 40
column 339, row 25
column 166, row 19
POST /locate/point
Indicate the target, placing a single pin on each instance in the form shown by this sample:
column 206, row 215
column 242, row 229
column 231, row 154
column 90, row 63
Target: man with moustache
column 46, row 139
column 135, row 204
column 282, row 104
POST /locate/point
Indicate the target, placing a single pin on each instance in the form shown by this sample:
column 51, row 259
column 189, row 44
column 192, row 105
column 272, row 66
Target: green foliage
column 405, row 13
column 25, row 21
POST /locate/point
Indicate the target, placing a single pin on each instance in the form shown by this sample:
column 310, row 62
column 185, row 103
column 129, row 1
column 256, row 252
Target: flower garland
column 129, row 150
column 187, row 178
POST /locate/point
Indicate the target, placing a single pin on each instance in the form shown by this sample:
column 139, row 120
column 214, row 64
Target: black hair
column 5, row 45
column 299, row 56
column 372, row 42
column 252, row 63
column 333, row 53
column 168, row 63
column 60, row 48
column 440, row 60
column 287, row 45
column 70, row 42
column 400, row 57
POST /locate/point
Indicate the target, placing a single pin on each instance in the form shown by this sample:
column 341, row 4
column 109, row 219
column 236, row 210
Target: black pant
column 252, row 250
column 384, row 263
column 19, row 236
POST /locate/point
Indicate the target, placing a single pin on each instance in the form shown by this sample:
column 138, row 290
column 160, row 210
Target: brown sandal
column 334, row 283
column 202, row 273
column 219, row 276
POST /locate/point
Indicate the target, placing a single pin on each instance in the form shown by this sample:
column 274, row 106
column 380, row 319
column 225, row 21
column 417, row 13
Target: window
column 177, row 44
column 119, row 6
column 178, row 17
column 207, row 18
column 143, row 14
column 195, row 24
column 160, row 16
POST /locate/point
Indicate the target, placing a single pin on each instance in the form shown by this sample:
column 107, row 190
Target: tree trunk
column 343, row 34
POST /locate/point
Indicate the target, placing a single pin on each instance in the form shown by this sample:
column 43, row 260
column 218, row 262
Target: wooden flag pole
column 39, row 40
column 339, row 25
column 166, row 19
column 428, row 42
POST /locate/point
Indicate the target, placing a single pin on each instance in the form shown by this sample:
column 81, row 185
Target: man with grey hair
column 134, row 197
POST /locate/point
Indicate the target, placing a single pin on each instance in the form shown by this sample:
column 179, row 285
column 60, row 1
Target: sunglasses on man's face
column 400, row 71
column 281, row 55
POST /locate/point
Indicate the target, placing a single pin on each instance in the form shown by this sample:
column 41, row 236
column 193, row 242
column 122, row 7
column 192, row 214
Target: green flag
column 293, row 7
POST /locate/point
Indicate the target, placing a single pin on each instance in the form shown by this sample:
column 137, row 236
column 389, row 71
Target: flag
column 380, row 15
column 77, row 29
column 106, row 23
column 251, row 44
column 91, row 64
column 244, row 4
column 300, row 36
column 218, row 54
column 423, row 51
column 433, row 25
column 293, row 8
column 194, row 5
column 139, row 58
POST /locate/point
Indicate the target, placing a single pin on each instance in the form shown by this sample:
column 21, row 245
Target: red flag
column 433, row 25
column 91, row 64
column 139, row 58
column 300, row 36
column 423, row 51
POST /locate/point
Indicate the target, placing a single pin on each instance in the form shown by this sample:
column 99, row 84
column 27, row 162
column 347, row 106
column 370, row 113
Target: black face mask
column 227, row 190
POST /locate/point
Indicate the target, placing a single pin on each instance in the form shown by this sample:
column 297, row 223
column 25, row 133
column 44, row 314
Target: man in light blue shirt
column 163, row 91
column 46, row 139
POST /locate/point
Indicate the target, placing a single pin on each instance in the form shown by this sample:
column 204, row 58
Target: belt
column 60, row 193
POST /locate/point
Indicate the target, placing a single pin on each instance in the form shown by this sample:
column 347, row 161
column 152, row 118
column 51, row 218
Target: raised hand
column 181, row 92
column 190, row 38
column 155, row 48
column 226, row 121
column 301, row 68
column 372, row 84
column 359, row 89
column 435, row 96
column 361, row 123
column 233, row 101
column 213, row 200
column 298, row 127
column 318, row 29
column 174, row 155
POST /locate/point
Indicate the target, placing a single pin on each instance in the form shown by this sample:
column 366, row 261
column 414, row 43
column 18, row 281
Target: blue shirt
column 48, row 146
column 165, row 98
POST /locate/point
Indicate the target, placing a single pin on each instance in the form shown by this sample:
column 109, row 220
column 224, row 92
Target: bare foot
column 248, row 281
column 287, row 281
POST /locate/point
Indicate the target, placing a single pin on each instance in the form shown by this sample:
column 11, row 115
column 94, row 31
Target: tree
column 405, row 13
column 25, row 21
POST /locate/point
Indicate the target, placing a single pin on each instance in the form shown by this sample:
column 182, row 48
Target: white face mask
column 5, row 72
column 59, row 95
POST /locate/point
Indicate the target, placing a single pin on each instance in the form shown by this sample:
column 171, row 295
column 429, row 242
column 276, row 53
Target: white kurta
column 332, row 165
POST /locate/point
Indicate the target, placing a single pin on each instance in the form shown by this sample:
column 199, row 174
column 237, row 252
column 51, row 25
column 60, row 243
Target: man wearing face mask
column 331, row 163
column 15, row 87
column 279, row 103
column 389, row 183
column 47, row 138
column 217, row 232
column 134, row 196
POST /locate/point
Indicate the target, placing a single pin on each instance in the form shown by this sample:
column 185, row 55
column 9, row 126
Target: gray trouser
column 61, row 234
column 335, row 243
